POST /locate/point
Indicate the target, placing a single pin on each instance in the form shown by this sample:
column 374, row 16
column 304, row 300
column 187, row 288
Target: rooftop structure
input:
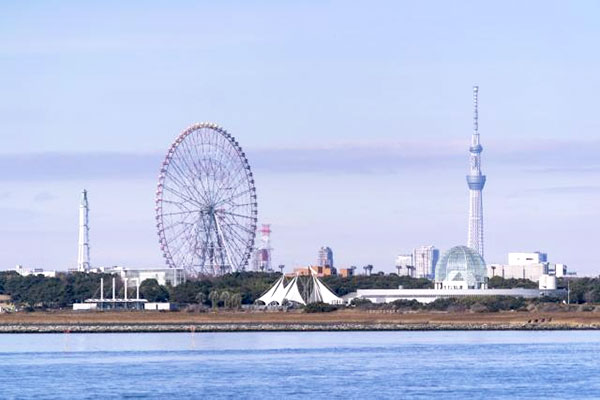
column 527, row 258
column 476, row 181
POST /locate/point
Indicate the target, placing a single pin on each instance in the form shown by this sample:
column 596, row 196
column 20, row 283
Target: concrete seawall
column 279, row 327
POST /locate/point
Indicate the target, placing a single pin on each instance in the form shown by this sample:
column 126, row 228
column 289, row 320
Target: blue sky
column 356, row 118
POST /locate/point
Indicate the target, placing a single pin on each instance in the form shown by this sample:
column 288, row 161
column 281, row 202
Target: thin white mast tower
column 83, row 254
column 476, row 181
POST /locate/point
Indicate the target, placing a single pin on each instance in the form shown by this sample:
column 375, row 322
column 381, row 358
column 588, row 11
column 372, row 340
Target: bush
column 319, row 308
column 498, row 282
column 361, row 303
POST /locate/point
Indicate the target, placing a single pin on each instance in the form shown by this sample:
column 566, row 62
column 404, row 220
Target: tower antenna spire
column 475, row 109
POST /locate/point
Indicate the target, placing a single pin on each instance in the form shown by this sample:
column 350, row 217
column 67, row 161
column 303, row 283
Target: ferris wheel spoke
column 179, row 213
column 188, row 243
column 234, row 177
column 225, row 190
column 239, row 245
column 176, row 232
column 188, row 178
column 171, row 224
column 240, row 225
column 238, row 205
column 194, row 171
column 248, row 191
column 182, row 196
column 232, row 240
column 239, row 215
column 197, row 169
column 235, row 226
column 178, row 204
column 198, row 161
column 185, row 183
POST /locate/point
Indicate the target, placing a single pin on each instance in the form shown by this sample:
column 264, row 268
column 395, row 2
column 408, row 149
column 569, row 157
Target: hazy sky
column 356, row 118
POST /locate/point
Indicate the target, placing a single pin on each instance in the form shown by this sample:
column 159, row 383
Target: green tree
column 236, row 300
column 153, row 292
column 214, row 297
column 201, row 298
column 224, row 297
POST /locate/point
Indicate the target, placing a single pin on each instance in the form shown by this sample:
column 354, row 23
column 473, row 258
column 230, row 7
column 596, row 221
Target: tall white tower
column 83, row 254
column 476, row 181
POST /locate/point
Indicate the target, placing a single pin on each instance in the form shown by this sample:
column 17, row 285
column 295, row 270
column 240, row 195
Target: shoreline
column 339, row 321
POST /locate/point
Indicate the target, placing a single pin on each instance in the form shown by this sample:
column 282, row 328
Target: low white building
column 157, row 306
column 430, row 295
column 34, row 271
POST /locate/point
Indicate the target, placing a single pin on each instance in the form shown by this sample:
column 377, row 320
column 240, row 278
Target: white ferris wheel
column 206, row 209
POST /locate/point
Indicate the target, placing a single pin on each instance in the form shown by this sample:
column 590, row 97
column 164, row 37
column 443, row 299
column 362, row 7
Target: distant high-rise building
column 262, row 254
column 325, row 257
column 83, row 251
column 405, row 264
column 476, row 181
column 424, row 259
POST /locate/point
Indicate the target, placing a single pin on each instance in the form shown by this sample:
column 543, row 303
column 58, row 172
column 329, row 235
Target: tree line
column 230, row 290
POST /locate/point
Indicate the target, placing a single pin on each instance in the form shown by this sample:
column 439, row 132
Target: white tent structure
column 281, row 292
column 275, row 294
column 321, row 293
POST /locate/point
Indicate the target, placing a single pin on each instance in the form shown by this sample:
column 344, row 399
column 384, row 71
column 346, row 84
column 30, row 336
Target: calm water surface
column 352, row 365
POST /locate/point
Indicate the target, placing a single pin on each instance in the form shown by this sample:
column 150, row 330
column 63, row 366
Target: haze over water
column 283, row 365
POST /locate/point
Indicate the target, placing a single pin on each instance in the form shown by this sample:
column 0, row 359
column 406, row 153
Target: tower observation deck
column 476, row 182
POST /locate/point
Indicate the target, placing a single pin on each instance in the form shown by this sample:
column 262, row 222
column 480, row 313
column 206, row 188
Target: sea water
column 307, row 365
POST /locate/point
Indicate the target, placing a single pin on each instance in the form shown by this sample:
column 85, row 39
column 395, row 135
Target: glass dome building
column 461, row 268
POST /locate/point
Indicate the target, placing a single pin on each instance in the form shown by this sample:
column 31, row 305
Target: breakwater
column 281, row 327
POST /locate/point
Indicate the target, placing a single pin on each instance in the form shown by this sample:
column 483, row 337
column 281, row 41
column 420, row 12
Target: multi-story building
column 405, row 265
column 313, row 270
column 325, row 257
column 424, row 259
column 530, row 266
column 346, row 272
